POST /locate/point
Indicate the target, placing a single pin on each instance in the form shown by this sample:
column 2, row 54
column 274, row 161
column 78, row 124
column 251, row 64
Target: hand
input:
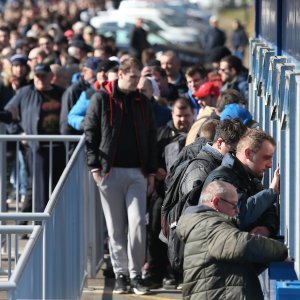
column 160, row 174
column 150, row 186
column 261, row 230
column 97, row 177
column 25, row 143
column 275, row 184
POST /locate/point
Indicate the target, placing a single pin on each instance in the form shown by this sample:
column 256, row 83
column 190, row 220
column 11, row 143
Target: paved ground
column 101, row 288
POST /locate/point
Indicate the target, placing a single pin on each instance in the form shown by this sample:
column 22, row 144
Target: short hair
column 228, row 96
column 254, row 139
column 215, row 188
column 182, row 103
column 129, row 63
column 233, row 62
column 208, row 129
column 148, row 55
column 160, row 70
column 172, row 54
column 191, row 71
column 47, row 36
column 230, row 131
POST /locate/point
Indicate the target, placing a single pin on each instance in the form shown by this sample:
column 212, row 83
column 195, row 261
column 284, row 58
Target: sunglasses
column 234, row 205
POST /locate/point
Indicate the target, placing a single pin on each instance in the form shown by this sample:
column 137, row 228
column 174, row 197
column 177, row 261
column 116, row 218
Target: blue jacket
column 78, row 111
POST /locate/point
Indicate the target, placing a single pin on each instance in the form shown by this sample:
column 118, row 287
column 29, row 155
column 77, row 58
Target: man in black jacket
column 245, row 171
column 173, row 134
column 121, row 152
column 228, row 133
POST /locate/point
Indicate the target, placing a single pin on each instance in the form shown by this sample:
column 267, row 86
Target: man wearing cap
column 78, row 111
column 121, row 152
column 206, row 97
column 77, row 90
column 39, row 107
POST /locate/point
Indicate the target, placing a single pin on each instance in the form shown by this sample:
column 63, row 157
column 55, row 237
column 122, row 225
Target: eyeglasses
column 234, row 205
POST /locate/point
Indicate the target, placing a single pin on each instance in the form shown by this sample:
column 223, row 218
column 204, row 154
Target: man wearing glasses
column 220, row 261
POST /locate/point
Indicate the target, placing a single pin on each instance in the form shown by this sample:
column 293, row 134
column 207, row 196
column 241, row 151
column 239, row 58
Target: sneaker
column 138, row 286
column 121, row 284
column 179, row 287
column 169, row 283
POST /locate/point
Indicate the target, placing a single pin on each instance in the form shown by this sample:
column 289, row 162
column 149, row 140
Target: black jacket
column 198, row 170
column 102, row 126
column 256, row 207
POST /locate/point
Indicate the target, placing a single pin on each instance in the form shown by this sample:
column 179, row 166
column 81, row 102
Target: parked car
column 122, row 29
column 167, row 24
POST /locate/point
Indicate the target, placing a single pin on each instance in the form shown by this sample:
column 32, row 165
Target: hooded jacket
column 256, row 203
column 220, row 261
column 102, row 125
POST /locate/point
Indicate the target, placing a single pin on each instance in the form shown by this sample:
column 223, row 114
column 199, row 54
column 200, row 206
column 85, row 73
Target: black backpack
column 172, row 210
column 185, row 156
column 175, row 245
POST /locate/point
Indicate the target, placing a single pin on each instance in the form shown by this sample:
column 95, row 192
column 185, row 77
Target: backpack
column 172, row 205
column 186, row 154
column 175, row 245
column 172, row 210
column 172, row 150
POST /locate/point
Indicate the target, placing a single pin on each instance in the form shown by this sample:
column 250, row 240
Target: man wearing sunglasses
column 220, row 261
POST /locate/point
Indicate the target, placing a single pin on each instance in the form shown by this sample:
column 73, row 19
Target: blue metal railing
column 67, row 244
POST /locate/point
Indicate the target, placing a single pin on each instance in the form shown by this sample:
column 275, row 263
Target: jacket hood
column 189, row 219
column 107, row 86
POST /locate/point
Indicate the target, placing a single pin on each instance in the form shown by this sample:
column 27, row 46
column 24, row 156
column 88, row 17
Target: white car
column 170, row 26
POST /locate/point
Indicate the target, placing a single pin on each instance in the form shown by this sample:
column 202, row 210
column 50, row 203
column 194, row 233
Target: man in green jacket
column 220, row 261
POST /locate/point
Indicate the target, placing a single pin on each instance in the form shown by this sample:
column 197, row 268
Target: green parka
column 220, row 261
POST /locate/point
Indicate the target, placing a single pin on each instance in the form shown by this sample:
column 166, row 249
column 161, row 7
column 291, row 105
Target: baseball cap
column 92, row 63
column 41, row 69
column 19, row 59
column 234, row 110
column 206, row 89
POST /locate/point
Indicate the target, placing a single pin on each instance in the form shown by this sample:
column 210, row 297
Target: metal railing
column 66, row 239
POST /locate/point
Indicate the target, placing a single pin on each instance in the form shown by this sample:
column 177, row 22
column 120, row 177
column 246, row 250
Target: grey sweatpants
column 123, row 198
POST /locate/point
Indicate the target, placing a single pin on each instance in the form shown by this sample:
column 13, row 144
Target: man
column 39, row 107
column 234, row 75
column 73, row 92
column 77, row 113
column 206, row 96
column 195, row 77
column 176, row 129
column 121, row 152
column 226, row 138
column 245, row 171
column 46, row 43
column 35, row 56
column 214, row 36
column 167, row 90
column 222, row 262
column 138, row 40
column 170, row 62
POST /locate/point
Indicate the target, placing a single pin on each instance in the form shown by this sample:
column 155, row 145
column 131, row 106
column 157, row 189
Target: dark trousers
column 40, row 188
column 157, row 250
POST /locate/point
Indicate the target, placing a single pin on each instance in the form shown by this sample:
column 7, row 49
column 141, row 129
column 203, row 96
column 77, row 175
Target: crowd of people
column 144, row 116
